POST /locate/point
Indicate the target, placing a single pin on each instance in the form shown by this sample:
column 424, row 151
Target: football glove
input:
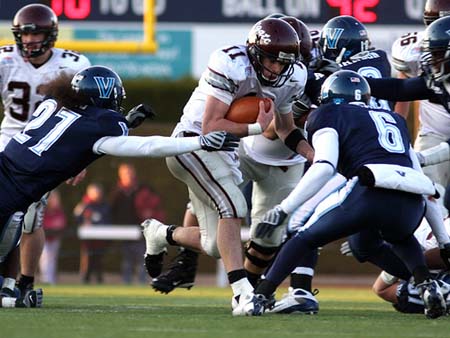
column 345, row 249
column 326, row 66
column 301, row 106
column 445, row 254
column 218, row 140
column 138, row 114
column 271, row 220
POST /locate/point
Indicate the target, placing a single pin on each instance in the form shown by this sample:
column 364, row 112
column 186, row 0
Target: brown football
column 246, row 109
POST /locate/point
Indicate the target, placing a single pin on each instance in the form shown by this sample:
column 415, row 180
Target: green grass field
column 122, row 311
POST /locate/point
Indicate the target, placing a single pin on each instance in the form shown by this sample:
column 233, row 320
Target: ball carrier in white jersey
column 434, row 120
column 273, row 170
column 267, row 67
column 31, row 62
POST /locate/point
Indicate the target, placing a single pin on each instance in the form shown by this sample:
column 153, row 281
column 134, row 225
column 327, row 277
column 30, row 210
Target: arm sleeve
column 400, row 89
column 326, row 145
column 150, row 146
column 434, row 217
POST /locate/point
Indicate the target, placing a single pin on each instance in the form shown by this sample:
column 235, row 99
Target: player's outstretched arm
column 161, row 146
column 434, row 155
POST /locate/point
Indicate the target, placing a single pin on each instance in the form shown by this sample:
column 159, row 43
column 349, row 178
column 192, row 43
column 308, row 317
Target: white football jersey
column 425, row 237
column 230, row 76
column 20, row 81
column 406, row 58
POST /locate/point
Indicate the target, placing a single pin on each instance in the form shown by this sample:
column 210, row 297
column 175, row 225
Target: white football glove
column 271, row 220
column 218, row 140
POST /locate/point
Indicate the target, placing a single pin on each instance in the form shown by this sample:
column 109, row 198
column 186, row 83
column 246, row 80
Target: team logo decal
column 105, row 86
column 332, row 37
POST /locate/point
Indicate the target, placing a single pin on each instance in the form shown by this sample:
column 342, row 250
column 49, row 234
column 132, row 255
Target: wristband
column 254, row 129
column 293, row 139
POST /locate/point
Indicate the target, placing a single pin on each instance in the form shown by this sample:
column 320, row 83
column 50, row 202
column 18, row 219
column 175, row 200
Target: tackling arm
column 400, row 89
column 326, row 145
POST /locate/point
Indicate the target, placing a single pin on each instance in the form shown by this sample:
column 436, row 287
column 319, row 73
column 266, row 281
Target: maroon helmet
column 304, row 36
column 35, row 18
column 277, row 40
column 435, row 9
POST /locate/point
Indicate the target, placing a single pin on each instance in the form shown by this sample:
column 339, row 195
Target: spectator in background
column 131, row 203
column 54, row 223
column 92, row 210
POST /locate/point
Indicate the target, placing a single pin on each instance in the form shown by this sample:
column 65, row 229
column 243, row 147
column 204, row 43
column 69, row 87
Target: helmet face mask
column 345, row 86
column 342, row 37
column 435, row 9
column 276, row 40
column 100, row 87
column 35, row 19
column 435, row 57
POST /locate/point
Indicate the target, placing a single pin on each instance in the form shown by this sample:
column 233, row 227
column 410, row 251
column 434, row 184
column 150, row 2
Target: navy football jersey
column 370, row 64
column 56, row 145
column 366, row 135
column 374, row 64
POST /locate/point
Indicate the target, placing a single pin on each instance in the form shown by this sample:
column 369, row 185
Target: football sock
column 25, row 282
column 253, row 278
column 301, row 281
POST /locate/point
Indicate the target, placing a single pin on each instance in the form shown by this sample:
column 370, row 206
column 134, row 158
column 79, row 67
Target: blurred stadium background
column 161, row 55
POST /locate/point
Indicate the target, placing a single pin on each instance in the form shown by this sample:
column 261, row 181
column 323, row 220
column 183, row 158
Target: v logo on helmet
column 105, row 86
column 332, row 37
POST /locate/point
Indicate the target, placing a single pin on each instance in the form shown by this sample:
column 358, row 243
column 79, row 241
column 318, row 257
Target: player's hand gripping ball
column 246, row 109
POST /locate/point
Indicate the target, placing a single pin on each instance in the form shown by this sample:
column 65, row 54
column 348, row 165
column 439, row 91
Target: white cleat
column 248, row 305
column 155, row 236
column 296, row 301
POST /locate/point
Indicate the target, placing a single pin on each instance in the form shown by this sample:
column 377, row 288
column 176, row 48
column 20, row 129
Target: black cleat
column 181, row 273
column 32, row 298
column 154, row 264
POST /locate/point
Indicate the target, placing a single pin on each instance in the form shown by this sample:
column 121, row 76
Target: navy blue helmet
column 100, row 87
column 345, row 86
column 342, row 37
column 435, row 56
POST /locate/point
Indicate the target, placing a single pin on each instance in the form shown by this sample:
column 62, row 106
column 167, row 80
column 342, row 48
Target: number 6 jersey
column 20, row 81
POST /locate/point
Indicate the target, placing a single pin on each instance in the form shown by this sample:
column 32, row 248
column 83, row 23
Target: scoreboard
column 384, row 12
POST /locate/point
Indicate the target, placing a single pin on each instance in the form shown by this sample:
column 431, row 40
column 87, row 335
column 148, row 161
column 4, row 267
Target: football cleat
column 33, row 298
column 297, row 301
column 248, row 305
column 7, row 292
column 433, row 299
column 154, row 264
column 181, row 273
column 155, row 236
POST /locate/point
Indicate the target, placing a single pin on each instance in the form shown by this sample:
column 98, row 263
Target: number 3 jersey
column 20, row 81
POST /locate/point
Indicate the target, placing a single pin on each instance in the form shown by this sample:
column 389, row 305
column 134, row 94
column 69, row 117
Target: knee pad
column 259, row 262
column 35, row 215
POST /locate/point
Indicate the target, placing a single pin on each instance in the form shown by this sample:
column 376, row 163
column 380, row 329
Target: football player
column 267, row 66
column 356, row 140
column 25, row 66
column 346, row 41
column 403, row 295
column 80, row 123
column 434, row 120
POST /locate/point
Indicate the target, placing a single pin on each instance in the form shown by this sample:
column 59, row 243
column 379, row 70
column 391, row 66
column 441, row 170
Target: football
column 246, row 109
